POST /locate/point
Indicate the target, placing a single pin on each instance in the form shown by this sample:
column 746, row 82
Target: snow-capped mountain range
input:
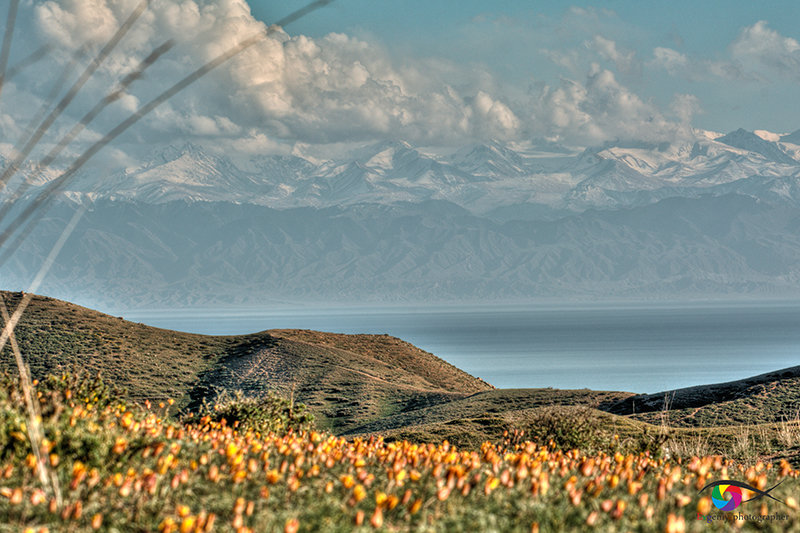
column 718, row 216
column 480, row 177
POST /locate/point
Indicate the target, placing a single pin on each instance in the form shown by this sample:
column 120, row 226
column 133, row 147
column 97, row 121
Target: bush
column 267, row 413
column 68, row 388
column 562, row 427
column 57, row 395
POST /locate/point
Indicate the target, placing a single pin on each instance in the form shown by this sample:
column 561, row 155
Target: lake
column 638, row 348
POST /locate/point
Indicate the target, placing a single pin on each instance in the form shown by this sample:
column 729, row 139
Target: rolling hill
column 346, row 380
column 377, row 384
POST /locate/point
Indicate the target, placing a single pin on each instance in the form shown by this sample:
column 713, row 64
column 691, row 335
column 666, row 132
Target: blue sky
column 508, row 37
column 445, row 73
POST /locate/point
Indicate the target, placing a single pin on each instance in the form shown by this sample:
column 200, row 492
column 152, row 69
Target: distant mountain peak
column 172, row 152
column 768, row 135
column 751, row 142
column 793, row 138
column 480, row 177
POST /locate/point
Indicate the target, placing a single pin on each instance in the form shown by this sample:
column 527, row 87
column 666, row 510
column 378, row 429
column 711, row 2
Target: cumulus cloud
column 758, row 54
column 624, row 60
column 762, row 49
column 670, row 60
column 685, row 107
column 294, row 90
column 290, row 88
column 678, row 64
column 602, row 109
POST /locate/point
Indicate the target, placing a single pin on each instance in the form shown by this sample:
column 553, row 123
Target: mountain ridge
column 178, row 254
column 481, row 177
column 398, row 223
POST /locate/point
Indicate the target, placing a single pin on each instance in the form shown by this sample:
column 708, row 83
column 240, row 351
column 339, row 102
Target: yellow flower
column 273, row 476
column 359, row 492
column 231, row 450
column 187, row 525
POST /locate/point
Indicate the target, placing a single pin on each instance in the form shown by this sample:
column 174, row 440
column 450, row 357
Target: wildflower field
column 124, row 468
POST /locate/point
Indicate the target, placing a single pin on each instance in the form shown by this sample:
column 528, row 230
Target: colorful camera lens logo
column 727, row 493
column 732, row 502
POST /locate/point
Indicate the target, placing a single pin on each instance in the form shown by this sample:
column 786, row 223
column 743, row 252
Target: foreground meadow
column 122, row 468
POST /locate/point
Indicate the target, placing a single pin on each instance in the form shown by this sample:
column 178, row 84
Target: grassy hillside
column 121, row 468
column 377, row 384
column 766, row 398
column 495, row 459
column 346, row 380
column 471, row 420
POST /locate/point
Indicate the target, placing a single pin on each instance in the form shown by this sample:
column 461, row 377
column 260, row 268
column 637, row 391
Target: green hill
column 766, row 398
column 346, row 380
column 377, row 384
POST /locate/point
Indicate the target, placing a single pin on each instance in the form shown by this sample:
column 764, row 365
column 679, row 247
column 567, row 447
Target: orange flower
column 38, row 497
column 119, row 446
column 273, row 476
column 681, row 500
column 291, row 526
column 676, row 524
column 377, row 518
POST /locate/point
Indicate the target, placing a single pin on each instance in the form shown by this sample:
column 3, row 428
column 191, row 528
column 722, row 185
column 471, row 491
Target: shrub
column 68, row 388
column 266, row 413
column 56, row 395
column 564, row 428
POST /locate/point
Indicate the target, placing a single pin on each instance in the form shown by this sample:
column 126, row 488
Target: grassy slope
column 495, row 402
column 347, row 380
column 131, row 470
column 766, row 398
column 358, row 384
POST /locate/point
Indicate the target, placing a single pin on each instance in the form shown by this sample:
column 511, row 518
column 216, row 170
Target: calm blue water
column 633, row 348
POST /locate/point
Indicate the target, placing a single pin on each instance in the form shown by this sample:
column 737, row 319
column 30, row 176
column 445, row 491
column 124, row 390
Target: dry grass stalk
column 34, row 430
column 34, row 426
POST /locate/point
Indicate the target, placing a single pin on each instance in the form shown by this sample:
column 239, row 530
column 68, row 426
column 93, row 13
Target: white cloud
column 685, row 107
column 294, row 88
column 601, row 109
column 764, row 50
column 624, row 60
column 670, row 60
column 297, row 90
column 678, row 64
column 494, row 116
column 758, row 54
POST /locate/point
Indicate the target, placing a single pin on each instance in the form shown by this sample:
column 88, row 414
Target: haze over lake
column 638, row 348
